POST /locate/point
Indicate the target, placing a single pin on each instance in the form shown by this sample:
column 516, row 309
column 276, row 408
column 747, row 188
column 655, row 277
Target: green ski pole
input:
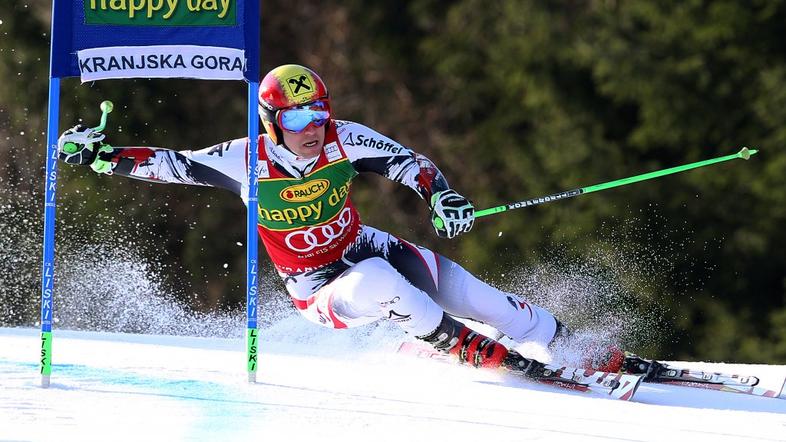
column 106, row 107
column 99, row 165
column 744, row 153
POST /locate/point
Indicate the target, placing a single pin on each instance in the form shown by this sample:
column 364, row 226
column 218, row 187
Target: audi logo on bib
column 309, row 239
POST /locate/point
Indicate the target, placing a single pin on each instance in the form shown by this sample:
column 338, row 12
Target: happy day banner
column 106, row 39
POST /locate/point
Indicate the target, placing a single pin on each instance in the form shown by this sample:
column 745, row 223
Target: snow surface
column 347, row 385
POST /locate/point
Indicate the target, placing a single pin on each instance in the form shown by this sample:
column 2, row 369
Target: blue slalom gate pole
column 48, row 268
column 252, row 264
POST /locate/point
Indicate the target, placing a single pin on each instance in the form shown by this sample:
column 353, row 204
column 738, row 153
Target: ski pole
column 106, row 108
column 744, row 153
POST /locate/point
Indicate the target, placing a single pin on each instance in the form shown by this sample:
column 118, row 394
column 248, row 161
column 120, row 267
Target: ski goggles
column 298, row 118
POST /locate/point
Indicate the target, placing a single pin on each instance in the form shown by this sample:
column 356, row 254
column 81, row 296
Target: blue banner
column 209, row 39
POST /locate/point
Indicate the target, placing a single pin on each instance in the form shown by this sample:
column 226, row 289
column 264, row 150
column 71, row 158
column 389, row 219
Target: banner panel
column 166, row 61
column 82, row 25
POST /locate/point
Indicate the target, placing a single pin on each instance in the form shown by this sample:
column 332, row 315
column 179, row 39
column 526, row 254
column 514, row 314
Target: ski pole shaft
column 744, row 153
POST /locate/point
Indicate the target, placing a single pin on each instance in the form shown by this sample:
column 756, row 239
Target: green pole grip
column 106, row 108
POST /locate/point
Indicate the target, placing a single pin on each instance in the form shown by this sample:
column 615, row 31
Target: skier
column 340, row 272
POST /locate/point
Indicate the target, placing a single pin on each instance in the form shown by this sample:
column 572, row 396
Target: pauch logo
column 301, row 193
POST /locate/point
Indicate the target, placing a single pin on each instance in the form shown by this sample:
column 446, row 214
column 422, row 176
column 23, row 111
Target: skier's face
column 308, row 143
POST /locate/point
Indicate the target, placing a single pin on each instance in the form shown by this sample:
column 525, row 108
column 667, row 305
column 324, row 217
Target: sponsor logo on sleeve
column 366, row 141
column 219, row 149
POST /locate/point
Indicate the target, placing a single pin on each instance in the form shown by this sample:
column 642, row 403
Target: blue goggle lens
column 296, row 119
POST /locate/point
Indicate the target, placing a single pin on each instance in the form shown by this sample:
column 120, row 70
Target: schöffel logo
column 161, row 12
column 301, row 193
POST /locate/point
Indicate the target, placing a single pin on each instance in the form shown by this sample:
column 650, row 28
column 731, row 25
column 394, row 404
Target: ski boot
column 471, row 347
column 611, row 360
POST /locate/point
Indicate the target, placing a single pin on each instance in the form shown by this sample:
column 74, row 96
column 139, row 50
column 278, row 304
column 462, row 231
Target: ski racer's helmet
column 287, row 87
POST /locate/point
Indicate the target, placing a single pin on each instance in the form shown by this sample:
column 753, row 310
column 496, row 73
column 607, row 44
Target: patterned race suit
column 338, row 271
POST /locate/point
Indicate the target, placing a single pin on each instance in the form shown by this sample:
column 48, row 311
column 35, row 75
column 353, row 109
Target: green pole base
column 46, row 358
column 251, row 354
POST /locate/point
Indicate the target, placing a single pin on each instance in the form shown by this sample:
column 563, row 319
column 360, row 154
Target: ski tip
column 746, row 153
column 627, row 391
column 636, row 388
column 782, row 394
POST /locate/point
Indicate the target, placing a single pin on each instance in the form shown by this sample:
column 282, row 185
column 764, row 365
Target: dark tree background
column 512, row 99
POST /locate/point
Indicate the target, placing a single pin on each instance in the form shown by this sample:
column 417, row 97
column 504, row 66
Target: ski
column 659, row 372
column 620, row 386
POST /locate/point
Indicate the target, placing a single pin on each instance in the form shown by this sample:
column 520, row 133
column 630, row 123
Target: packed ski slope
column 351, row 385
